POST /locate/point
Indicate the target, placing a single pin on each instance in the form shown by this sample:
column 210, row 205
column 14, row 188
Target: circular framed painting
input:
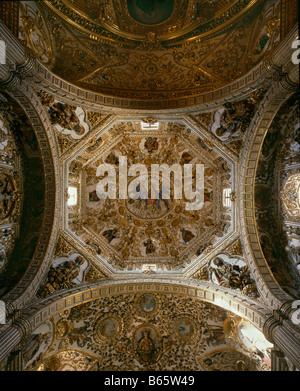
column 186, row 328
column 147, row 304
column 107, row 328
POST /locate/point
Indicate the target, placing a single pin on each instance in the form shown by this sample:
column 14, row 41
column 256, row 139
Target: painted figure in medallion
column 150, row 248
column 147, row 303
column 110, row 234
column 146, row 348
column 151, row 144
column 187, row 235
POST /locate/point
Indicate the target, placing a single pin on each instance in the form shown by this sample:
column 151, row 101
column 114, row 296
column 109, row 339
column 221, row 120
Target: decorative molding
column 69, row 93
column 235, row 248
column 252, row 310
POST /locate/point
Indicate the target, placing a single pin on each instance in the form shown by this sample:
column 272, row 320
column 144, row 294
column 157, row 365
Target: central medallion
column 150, row 12
column 150, row 208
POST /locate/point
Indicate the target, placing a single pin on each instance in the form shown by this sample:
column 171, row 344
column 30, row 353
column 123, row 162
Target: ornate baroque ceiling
column 117, row 238
column 145, row 332
column 107, row 47
column 146, row 284
column 130, row 234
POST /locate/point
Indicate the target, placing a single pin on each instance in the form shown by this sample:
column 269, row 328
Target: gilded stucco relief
column 94, row 284
column 150, row 62
column 34, row 33
column 70, row 123
column 11, row 185
column 129, row 233
column 146, row 331
column 230, row 123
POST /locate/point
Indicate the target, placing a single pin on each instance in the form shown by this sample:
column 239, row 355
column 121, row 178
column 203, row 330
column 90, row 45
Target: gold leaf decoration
column 63, row 247
column 235, row 248
column 204, row 119
column 95, row 118
column 64, row 143
column 94, row 274
column 202, row 274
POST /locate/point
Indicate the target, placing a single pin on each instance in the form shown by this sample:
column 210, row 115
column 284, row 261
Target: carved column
column 284, row 334
column 8, row 340
column 19, row 61
column 279, row 65
column 14, row 361
column 278, row 362
column 13, row 335
column 17, row 72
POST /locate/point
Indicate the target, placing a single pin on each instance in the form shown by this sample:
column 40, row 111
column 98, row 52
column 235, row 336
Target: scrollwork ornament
column 202, row 274
column 63, row 247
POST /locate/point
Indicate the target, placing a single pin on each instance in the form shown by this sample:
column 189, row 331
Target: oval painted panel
column 109, row 327
column 106, row 329
column 185, row 328
column 150, row 12
column 147, row 303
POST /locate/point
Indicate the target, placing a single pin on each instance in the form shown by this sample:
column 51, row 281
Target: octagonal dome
column 149, row 233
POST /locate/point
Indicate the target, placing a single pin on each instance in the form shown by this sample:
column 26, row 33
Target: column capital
column 23, row 325
column 274, row 70
column 269, row 327
column 11, row 311
column 18, row 71
column 288, row 308
column 288, row 84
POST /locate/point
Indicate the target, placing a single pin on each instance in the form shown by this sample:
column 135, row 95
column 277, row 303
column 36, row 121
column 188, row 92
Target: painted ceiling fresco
column 156, row 332
column 101, row 47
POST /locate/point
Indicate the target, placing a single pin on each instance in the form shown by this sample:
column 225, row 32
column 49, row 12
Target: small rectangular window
column 150, row 125
column 149, row 269
column 72, row 192
column 2, row 312
column 226, row 198
column 2, row 52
